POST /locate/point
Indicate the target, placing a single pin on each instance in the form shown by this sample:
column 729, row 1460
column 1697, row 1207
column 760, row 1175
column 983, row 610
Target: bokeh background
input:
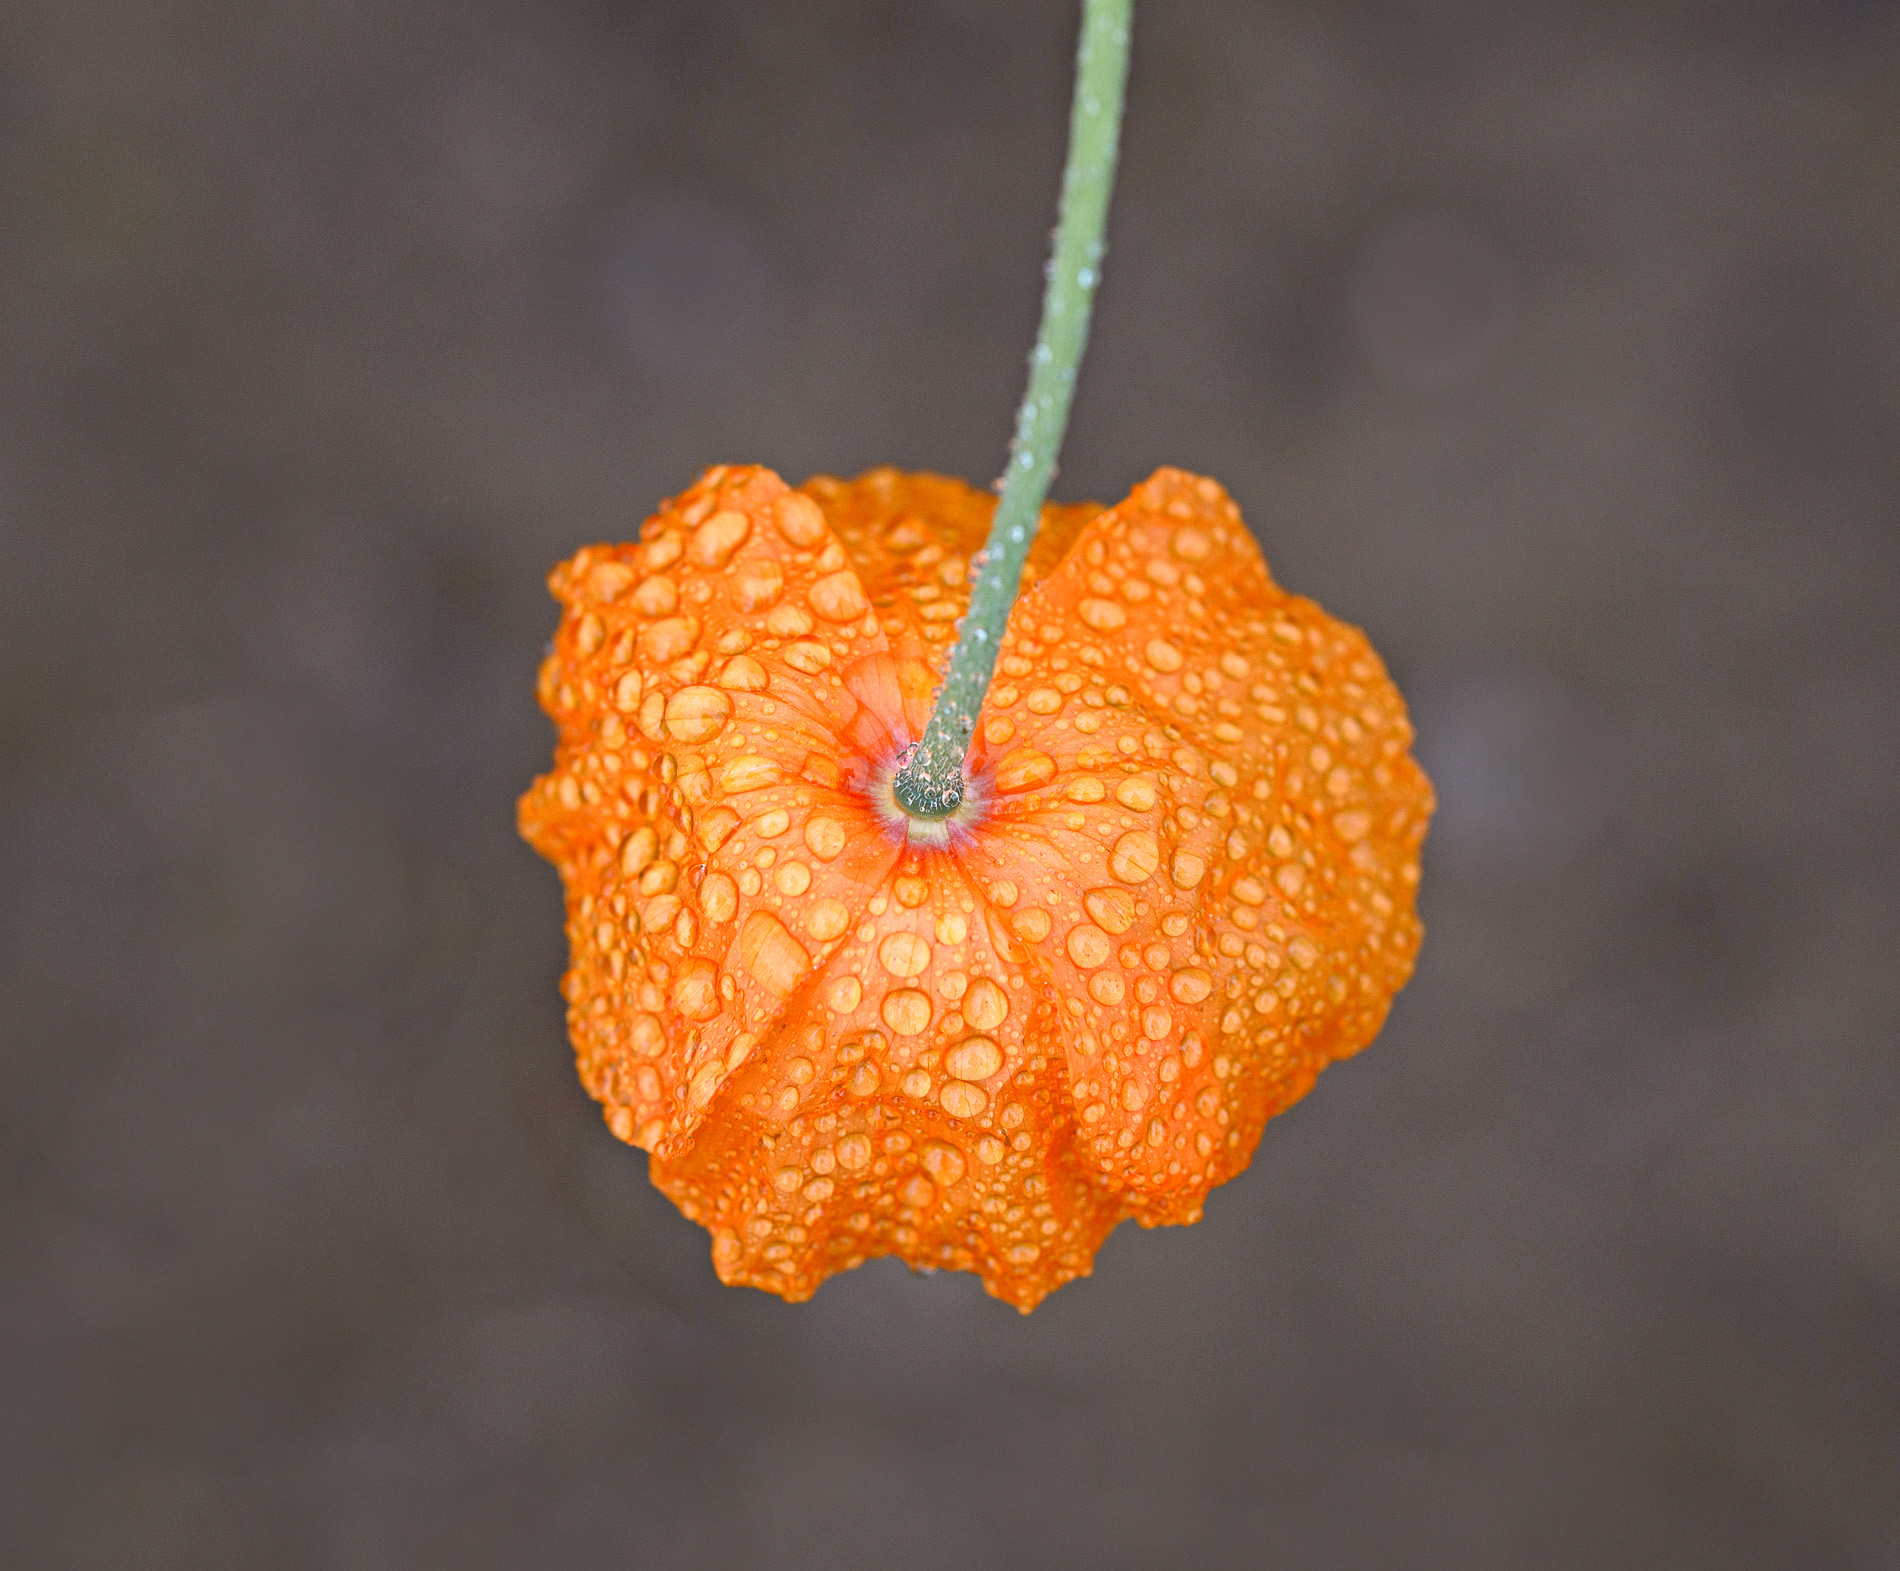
column 1556, row 344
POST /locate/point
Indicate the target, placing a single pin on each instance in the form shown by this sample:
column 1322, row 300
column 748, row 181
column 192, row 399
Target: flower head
column 1181, row 882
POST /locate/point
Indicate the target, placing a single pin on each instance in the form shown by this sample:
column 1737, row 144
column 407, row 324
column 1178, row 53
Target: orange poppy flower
column 1182, row 882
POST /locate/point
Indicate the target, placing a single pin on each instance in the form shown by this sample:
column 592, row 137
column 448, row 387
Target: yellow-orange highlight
column 1188, row 883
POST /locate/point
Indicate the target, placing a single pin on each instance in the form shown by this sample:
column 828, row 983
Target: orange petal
column 1201, row 840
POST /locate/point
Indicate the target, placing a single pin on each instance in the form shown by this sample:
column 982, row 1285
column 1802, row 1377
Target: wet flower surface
column 1182, row 883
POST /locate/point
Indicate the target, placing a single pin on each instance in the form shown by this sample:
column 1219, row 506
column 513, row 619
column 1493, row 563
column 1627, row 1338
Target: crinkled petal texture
column 1189, row 883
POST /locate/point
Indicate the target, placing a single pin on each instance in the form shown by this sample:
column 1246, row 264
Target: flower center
column 955, row 828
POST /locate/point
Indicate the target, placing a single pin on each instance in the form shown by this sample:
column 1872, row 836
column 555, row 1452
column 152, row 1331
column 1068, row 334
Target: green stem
column 930, row 784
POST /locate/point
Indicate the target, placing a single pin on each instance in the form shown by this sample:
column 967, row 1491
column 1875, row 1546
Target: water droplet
column 864, row 1079
column 911, row 891
column 696, row 714
column 839, row 597
column 944, row 1162
column 664, row 642
column 1352, row 825
column 1135, row 857
column 1163, row 656
column 1107, row 987
column 807, row 656
column 1088, row 946
column 653, row 717
column 974, row 1058
column 1112, row 909
column 854, row 1152
column 903, row 954
column 743, row 674
column 1086, row 789
column 1103, row 615
column 824, row 837
column 759, row 585
column 952, row 928
column 715, row 540
column 1024, row 769
column 989, row 1150
column 705, row 1083
column 1032, row 925
column 1187, row 869
column 695, row 992
column 657, row 597
column 775, row 958
column 789, row 621
column 1191, row 985
column 749, row 772
column 917, row 1083
column 608, row 580
column 985, row 1005
column 844, row 994
column 1136, row 793
column 827, row 919
column 1044, row 701
column 792, row 879
column 716, row 827
column 641, row 847
column 906, row 1011
column 662, row 551
column 960, row 1099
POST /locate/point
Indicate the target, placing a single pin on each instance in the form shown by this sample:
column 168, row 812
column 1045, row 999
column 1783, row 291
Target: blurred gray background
column 1556, row 344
